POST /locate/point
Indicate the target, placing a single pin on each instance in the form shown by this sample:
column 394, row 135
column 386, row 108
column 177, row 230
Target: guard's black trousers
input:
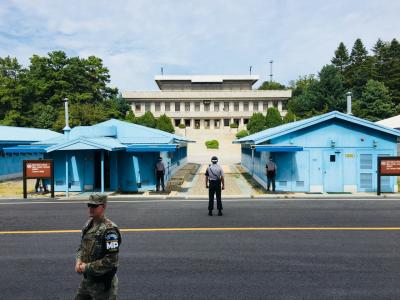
column 160, row 180
column 214, row 188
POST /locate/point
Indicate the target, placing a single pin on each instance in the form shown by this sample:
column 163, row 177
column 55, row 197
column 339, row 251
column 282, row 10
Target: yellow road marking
column 215, row 229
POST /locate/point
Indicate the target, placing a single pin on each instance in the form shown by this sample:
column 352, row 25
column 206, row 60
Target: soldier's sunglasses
column 92, row 205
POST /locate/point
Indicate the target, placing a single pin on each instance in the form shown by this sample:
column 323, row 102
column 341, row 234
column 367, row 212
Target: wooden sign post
column 387, row 166
column 41, row 168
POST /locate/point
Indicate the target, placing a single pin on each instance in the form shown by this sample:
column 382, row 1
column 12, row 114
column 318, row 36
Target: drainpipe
column 102, row 171
column 66, row 129
column 252, row 159
column 66, row 175
column 348, row 94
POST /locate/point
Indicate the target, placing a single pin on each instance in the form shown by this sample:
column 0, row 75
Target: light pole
column 270, row 70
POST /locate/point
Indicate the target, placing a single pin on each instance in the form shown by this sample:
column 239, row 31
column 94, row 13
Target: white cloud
column 136, row 38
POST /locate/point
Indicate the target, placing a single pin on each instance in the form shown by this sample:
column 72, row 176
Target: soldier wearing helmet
column 215, row 183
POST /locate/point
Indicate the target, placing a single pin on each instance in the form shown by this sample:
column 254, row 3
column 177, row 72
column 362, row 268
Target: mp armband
column 112, row 241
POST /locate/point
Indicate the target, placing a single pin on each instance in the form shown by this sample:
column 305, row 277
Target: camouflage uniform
column 99, row 250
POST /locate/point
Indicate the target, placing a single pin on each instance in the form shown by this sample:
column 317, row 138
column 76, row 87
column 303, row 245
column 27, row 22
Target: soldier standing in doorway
column 160, row 172
column 215, row 182
column 97, row 255
column 270, row 169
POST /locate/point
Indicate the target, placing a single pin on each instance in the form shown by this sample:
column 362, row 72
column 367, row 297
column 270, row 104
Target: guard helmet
column 214, row 159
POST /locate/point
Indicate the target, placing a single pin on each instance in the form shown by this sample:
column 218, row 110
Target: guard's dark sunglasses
column 93, row 205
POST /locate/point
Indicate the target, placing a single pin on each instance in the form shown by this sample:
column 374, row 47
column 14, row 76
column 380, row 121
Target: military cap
column 214, row 159
column 97, row 199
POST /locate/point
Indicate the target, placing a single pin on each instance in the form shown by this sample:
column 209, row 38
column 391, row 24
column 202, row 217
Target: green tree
column 289, row 117
column 341, row 59
column 45, row 116
column 164, row 123
column 360, row 70
column 130, row 117
column 256, row 123
column 376, row 103
column 273, row 118
column 12, row 93
column 242, row 133
column 147, row 120
column 268, row 85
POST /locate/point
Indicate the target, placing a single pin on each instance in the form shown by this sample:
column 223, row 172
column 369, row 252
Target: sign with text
column 390, row 167
column 387, row 166
column 38, row 169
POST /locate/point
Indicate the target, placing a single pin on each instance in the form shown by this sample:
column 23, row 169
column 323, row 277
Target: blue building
column 110, row 156
column 334, row 152
column 11, row 163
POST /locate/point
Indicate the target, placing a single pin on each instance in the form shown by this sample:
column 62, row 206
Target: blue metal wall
column 11, row 164
column 337, row 155
column 129, row 171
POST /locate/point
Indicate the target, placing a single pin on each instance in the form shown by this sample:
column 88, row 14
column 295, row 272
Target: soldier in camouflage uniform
column 97, row 255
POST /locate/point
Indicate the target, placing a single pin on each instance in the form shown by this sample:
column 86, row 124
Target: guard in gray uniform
column 215, row 183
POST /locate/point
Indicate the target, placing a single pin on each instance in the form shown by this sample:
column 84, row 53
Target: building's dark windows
column 177, row 122
column 216, row 106
column 157, row 106
column 226, row 122
column 236, row 106
column 255, row 105
column 177, row 106
column 197, row 106
column 138, row 106
column 332, row 158
column 147, row 106
column 187, row 106
column 226, row 106
column 167, row 106
column 246, row 106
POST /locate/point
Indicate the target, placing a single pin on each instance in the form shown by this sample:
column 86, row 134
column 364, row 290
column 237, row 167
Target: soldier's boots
column 219, row 213
column 210, row 213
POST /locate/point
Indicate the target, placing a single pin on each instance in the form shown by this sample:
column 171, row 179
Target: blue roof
column 83, row 143
column 265, row 135
column 25, row 135
column 138, row 132
column 112, row 135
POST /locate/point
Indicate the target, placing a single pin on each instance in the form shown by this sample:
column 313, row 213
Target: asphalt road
column 268, row 263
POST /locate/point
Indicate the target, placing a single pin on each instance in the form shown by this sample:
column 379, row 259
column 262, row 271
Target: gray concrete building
column 207, row 101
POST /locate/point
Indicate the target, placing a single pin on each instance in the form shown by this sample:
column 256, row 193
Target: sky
column 225, row 37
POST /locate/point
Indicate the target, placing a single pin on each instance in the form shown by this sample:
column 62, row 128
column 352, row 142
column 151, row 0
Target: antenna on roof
column 250, row 69
column 270, row 70
column 162, row 71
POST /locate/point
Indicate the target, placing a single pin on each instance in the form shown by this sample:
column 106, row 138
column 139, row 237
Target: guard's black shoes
column 220, row 213
column 210, row 213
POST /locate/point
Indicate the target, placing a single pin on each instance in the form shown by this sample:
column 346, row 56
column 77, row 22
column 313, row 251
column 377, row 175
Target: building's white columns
column 191, row 106
column 152, row 106
column 162, row 107
column 240, row 106
column 270, row 104
column 201, row 106
column 251, row 106
column 280, row 106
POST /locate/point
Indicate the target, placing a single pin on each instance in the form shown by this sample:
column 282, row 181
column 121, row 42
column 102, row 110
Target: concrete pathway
column 235, row 184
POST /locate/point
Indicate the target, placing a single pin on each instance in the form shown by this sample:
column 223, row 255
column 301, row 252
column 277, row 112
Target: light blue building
column 110, row 156
column 334, row 152
column 11, row 163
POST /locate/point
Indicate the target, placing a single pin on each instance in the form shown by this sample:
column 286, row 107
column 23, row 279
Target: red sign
column 390, row 167
column 38, row 169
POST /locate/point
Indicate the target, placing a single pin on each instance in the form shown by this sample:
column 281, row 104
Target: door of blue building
column 333, row 171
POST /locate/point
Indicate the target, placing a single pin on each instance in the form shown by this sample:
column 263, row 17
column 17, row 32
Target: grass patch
column 212, row 144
